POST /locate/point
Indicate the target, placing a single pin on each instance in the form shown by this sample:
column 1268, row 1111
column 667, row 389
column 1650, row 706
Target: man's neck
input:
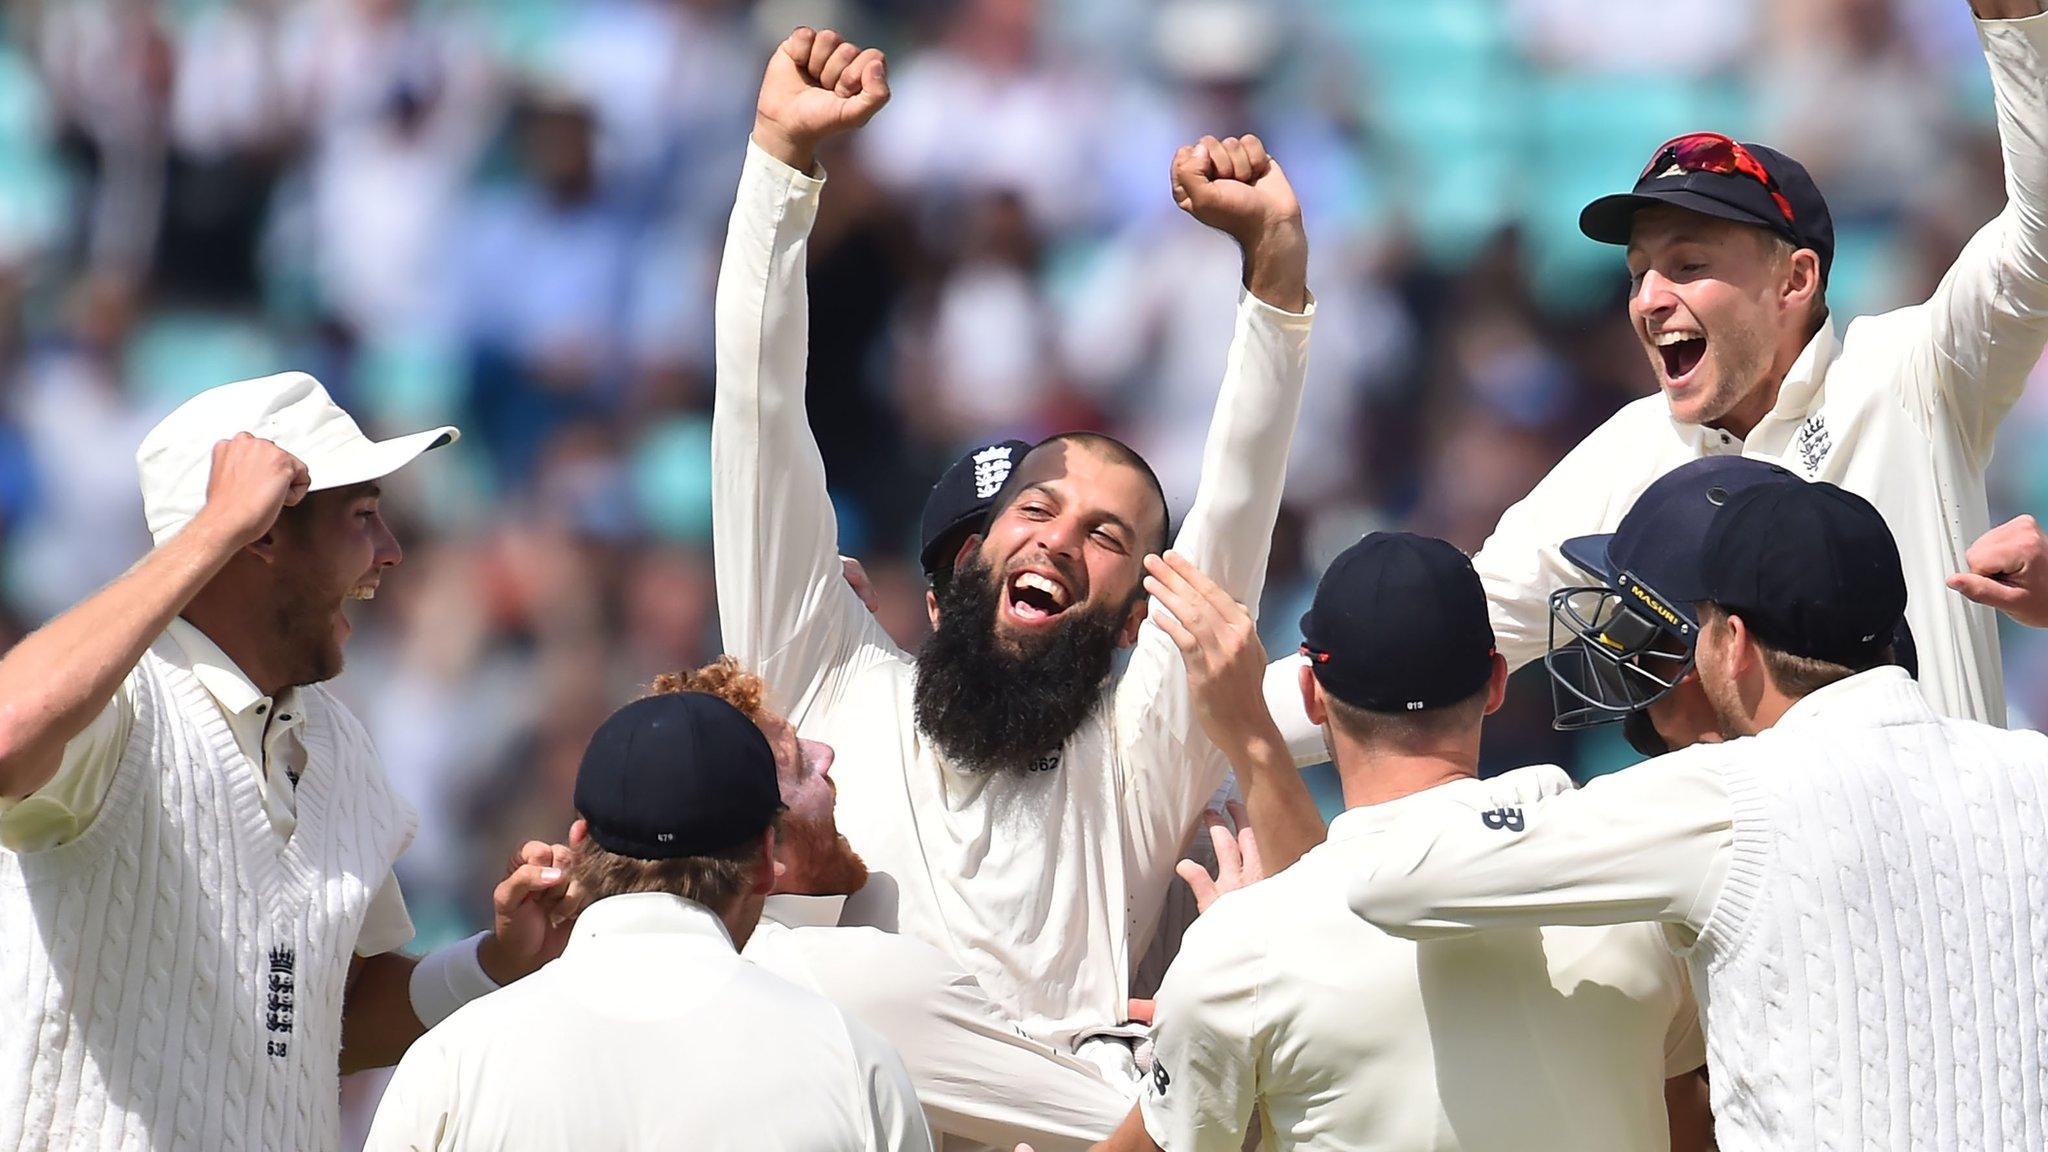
column 1371, row 777
column 239, row 643
column 1742, row 419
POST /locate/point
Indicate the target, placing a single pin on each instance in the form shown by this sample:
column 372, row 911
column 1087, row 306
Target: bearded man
column 1016, row 812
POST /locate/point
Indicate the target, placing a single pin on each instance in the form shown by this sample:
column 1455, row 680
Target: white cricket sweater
column 1863, row 890
column 172, row 979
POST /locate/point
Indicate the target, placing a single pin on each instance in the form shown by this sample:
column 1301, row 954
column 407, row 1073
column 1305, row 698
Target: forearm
column 775, row 553
column 57, row 679
column 377, row 1019
column 1282, row 812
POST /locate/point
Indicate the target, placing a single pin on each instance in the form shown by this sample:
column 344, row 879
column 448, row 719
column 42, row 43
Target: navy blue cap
column 1399, row 624
column 959, row 502
column 678, row 774
column 1725, row 196
column 1812, row 569
column 1653, row 557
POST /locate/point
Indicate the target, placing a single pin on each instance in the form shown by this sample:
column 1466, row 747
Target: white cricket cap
column 290, row 410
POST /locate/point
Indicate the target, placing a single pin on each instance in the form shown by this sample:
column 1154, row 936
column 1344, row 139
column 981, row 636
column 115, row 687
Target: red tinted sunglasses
column 1713, row 152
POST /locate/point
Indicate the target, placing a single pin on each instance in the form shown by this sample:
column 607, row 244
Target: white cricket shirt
column 1344, row 1037
column 1900, row 409
column 1043, row 885
column 982, row 1083
column 649, row 1032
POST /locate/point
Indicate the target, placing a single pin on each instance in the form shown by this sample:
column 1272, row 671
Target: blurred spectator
column 541, row 282
column 362, row 185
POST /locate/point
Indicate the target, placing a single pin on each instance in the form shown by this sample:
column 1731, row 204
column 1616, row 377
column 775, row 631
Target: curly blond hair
column 723, row 678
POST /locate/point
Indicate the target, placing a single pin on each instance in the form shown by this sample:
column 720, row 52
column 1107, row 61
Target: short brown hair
column 723, row 678
column 1406, row 730
column 1794, row 675
column 716, row 881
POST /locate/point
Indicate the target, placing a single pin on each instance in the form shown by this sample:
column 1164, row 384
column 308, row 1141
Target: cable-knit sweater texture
column 1877, row 964
column 172, row 979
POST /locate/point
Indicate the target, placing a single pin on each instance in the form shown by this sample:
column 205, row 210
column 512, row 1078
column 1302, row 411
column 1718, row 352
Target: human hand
column 2009, row 571
column 1233, row 186
column 857, row 579
column 817, row 85
column 1219, row 645
column 251, row 482
column 526, row 930
column 1237, row 858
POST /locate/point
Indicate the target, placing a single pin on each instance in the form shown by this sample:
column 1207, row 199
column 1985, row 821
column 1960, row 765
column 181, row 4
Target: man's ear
column 770, row 870
column 931, row 607
column 968, row 547
column 1497, row 684
column 1802, row 281
column 1743, row 654
column 1312, row 697
column 579, row 832
column 1134, row 620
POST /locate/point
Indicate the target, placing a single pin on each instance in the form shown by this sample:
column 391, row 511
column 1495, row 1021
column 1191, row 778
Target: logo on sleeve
column 1509, row 819
column 1159, row 1078
column 1813, row 442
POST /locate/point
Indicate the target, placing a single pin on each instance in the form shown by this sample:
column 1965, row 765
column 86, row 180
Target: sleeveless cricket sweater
column 1877, row 963
column 173, row 978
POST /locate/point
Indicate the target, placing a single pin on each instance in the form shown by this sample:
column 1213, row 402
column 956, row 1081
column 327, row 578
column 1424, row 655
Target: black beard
column 989, row 708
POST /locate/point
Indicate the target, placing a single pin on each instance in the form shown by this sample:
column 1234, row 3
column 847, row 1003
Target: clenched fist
column 251, row 482
column 1233, row 186
column 2009, row 571
column 817, row 85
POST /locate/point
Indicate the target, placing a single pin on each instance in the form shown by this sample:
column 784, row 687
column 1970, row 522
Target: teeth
column 1667, row 339
column 366, row 593
column 1034, row 580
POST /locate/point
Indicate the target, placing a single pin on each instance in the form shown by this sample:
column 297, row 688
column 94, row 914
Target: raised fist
column 817, row 85
column 1233, row 186
column 251, row 482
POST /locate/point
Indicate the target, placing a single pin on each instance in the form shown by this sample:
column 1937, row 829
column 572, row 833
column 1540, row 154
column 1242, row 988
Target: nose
column 1653, row 295
column 388, row 554
column 821, row 754
column 1060, row 536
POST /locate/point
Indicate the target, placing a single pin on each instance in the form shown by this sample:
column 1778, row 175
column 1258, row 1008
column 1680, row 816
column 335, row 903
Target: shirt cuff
column 1251, row 307
column 759, row 159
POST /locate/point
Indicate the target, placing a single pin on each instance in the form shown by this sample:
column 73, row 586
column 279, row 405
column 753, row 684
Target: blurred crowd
column 507, row 214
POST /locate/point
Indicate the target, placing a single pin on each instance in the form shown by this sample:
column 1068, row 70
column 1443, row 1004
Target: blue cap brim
column 1590, row 554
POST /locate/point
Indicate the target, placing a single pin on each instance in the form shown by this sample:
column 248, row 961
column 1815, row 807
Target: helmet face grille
column 1607, row 660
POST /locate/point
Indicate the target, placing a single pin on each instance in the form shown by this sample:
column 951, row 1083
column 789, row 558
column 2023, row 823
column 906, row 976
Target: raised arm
column 1219, row 645
column 783, row 607
column 1234, row 187
column 54, row 682
column 1988, row 320
column 1650, row 843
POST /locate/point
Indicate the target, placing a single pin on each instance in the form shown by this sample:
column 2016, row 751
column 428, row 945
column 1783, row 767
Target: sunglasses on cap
column 1713, row 152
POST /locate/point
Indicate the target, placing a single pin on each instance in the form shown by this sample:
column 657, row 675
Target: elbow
column 1392, row 905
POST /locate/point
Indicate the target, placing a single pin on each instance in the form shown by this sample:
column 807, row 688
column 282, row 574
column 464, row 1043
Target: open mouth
column 1036, row 597
column 1681, row 352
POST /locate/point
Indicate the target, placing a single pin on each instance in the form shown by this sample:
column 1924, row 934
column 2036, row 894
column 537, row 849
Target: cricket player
column 1340, row 1036
column 1016, row 812
column 1728, row 248
column 650, row 1031
column 198, row 921
column 980, row 1082
column 1853, row 878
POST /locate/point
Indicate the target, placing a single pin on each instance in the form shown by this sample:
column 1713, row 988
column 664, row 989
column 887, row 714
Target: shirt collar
column 1884, row 695
column 1795, row 395
column 803, row 911
column 1521, row 786
column 224, row 680
column 646, row 914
